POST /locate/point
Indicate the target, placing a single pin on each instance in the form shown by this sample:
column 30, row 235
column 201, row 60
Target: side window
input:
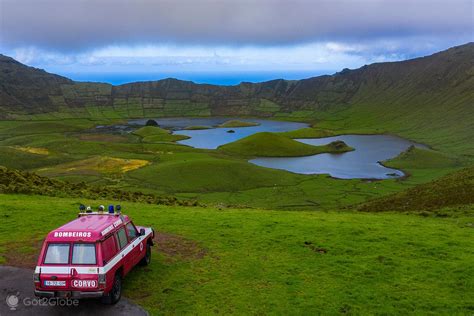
column 132, row 232
column 109, row 248
column 122, row 238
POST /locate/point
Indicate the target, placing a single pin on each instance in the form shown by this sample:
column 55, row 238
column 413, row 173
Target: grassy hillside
column 25, row 89
column 426, row 99
column 453, row 190
column 274, row 145
column 418, row 158
column 70, row 150
column 200, row 173
column 14, row 181
column 265, row 262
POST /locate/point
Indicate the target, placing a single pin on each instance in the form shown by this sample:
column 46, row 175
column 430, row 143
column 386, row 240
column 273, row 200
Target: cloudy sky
column 225, row 41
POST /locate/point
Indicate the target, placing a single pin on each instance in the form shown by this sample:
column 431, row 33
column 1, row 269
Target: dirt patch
column 177, row 246
column 317, row 249
column 102, row 138
column 23, row 255
column 95, row 165
column 32, row 150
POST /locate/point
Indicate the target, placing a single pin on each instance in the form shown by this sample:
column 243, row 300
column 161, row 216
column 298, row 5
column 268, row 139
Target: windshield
column 83, row 254
column 57, row 254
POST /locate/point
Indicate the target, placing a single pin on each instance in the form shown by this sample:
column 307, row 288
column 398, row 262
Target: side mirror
column 142, row 231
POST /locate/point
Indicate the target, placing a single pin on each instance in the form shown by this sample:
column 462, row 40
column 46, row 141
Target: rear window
column 57, row 254
column 83, row 254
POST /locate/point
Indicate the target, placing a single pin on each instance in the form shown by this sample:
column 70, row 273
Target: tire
column 116, row 293
column 147, row 259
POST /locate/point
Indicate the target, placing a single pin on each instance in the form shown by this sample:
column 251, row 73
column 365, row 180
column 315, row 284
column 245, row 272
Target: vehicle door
column 125, row 251
column 138, row 247
column 84, row 270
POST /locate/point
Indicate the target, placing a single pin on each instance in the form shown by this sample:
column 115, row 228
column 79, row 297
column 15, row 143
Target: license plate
column 54, row 283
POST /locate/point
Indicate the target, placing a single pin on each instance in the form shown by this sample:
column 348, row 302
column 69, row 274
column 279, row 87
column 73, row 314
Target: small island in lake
column 151, row 123
column 237, row 123
column 267, row 144
column 196, row 127
column 152, row 134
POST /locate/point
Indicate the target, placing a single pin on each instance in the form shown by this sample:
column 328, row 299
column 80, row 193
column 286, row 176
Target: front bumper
column 69, row 294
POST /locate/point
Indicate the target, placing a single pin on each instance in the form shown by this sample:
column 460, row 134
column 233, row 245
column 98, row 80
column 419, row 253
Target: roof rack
column 97, row 213
column 83, row 210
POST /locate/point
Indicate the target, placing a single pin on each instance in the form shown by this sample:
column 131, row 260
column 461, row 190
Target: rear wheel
column 116, row 293
column 147, row 259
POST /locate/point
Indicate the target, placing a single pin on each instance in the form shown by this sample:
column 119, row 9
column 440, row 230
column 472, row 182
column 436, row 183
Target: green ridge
column 237, row 123
column 274, row 145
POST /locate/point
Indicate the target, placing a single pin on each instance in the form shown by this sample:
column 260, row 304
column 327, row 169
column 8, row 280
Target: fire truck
column 90, row 256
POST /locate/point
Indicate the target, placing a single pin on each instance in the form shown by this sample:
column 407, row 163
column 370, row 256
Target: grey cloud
column 69, row 25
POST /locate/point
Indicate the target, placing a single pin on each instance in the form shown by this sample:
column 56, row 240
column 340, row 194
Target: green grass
column 267, row 262
column 274, row 145
column 237, row 123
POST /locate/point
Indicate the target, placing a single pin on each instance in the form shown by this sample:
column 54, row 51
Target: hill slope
column 27, row 89
column 453, row 190
column 15, row 181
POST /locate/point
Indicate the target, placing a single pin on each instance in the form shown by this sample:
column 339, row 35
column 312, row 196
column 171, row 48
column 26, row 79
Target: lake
column 214, row 137
column 362, row 163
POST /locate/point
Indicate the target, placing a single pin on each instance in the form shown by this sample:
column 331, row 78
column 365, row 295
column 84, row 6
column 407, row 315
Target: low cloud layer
column 178, row 37
column 67, row 25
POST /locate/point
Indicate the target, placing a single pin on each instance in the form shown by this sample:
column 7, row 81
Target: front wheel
column 147, row 259
column 116, row 293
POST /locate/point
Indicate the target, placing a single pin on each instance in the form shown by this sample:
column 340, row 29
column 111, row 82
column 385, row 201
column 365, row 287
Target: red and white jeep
column 89, row 256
